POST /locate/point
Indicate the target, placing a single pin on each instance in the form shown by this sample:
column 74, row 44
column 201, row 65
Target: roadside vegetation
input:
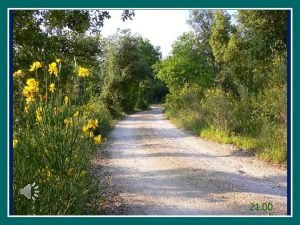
column 69, row 85
column 227, row 80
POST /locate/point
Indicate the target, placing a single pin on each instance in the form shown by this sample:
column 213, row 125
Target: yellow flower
column 39, row 118
column 68, row 122
column 26, row 91
column 85, row 129
column 93, row 124
column 30, row 89
column 83, row 72
column 52, row 87
column 76, row 114
column 29, row 100
column 31, row 82
column 35, row 66
column 26, row 108
column 58, row 60
column 66, row 100
column 15, row 142
column 53, row 69
column 97, row 139
column 18, row 73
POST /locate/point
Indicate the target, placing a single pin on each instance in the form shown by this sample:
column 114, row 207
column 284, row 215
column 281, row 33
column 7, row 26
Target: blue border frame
column 288, row 40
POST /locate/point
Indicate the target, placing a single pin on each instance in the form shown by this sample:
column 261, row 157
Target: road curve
column 160, row 169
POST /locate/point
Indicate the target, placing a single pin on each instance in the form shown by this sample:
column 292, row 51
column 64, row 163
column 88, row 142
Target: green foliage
column 217, row 107
column 96, row 109
column 262, row 27
column 129, row 77
column 54, row 139
column 216, row 115
column 244, row 102
column 219, row 37
column 56, row 158
column 185, row 66
column 184, row 107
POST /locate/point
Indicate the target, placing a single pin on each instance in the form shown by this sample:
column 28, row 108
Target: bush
column 255, row 123
column 217, row 108
column 54, row 139
column 96, row 109
column 273, row 142
column 185, row 109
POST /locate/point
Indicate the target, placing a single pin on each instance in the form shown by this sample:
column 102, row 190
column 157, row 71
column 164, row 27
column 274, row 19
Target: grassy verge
column 270, row 150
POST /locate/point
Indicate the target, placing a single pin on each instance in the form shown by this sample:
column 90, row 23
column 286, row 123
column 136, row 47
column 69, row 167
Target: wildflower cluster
column 47, row 139
column 18, row 73
column 52, row 87
column 31, row 90
column 89, row 129
column 53, row 69
column 83, row 72
column 36, row 65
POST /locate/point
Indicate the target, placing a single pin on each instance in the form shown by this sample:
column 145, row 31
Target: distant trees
column 128, row 73
column 186, row 65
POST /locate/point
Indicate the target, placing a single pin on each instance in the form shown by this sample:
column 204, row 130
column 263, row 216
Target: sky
column 161, row 27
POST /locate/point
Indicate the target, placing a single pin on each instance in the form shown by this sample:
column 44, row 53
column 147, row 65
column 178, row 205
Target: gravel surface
column 160, row 169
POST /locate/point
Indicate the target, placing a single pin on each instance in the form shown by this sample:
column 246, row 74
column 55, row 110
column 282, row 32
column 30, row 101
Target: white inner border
column 68, row 216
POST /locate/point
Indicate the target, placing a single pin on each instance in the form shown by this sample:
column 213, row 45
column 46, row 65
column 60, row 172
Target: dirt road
column 160, row 169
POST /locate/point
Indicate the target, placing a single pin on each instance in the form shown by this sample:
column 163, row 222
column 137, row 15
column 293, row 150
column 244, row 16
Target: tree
column 185, row 66
column 128, row 73
column 37, row 31
column 219, row 38
column 262, row 28
column 71, row 35
column 202, row 21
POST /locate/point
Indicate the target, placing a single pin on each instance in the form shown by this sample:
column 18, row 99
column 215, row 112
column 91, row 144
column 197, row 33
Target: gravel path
column 160, row 169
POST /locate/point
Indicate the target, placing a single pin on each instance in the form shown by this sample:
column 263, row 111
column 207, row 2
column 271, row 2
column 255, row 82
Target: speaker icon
column 27, row 191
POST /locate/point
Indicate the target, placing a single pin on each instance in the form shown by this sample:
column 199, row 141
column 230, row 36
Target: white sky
column 161, row 27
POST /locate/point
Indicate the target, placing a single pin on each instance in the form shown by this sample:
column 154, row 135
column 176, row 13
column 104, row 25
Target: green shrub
column 96, row 109
column 256, row 123
column 273, row 143
column 217, row 108
column 54, row 139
